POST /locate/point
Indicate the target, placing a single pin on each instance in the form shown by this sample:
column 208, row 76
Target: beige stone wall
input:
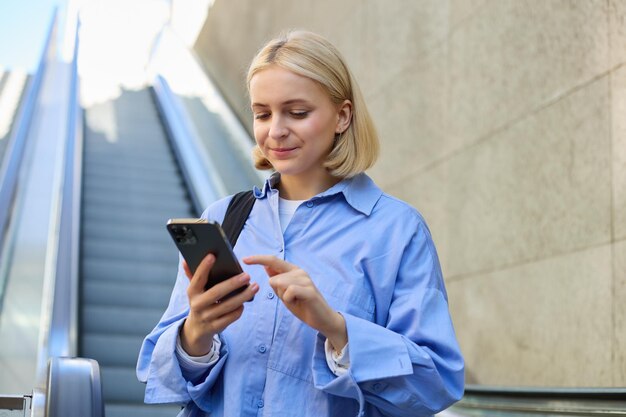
column 504, row 123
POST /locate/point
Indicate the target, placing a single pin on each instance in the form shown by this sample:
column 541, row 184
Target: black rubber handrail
column 565, row 392
column 547, row 401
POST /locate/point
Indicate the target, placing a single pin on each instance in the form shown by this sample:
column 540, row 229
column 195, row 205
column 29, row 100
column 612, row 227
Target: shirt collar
column 270, row 184
column 359, row 191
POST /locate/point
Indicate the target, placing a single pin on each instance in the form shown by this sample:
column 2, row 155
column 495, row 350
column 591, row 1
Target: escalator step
column 135, row 203
column 119, row 320
column 127, row 234
column 140, row 199
column 161, row 251
column 145, row 180
column 120, row 384
column 110, row 168
column 119, row 294
column 128, row 271
column 137, row 184
column 103, row 293
column 112, row 230
column 141, row 410
column 145, row 147
column 112, row 350
column 126, row 158
column 133, row 222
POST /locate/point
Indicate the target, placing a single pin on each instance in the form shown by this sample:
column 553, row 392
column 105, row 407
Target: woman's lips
column 282, row 152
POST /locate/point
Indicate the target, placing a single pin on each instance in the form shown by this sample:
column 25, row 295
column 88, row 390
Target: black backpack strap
column 236, row 215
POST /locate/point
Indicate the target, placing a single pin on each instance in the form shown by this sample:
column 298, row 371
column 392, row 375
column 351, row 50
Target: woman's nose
column 278, row 129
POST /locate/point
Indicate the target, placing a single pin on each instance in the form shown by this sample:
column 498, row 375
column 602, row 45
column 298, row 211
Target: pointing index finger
column 271, row 262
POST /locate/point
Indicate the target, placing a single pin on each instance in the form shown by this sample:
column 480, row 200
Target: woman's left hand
column 300, row 295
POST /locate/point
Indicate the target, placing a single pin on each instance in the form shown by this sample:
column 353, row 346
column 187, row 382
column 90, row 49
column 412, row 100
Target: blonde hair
column 312, row 56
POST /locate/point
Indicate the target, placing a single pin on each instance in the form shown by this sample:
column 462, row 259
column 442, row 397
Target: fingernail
column 244, row 278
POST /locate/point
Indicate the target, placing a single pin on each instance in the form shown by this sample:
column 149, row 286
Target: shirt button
column 260, row 404
column 281, row 250
column 310, row 204
column 377, row 387
column 270, row 295
column 262, row 348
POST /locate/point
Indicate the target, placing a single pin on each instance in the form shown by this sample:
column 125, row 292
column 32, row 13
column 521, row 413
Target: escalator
column 86, row 264
column 131, row 186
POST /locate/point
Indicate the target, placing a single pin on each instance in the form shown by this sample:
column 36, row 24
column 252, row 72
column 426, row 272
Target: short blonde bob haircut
column 312, row 56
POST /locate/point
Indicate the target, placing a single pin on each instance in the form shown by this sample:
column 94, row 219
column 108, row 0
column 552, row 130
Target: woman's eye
column 261, row 116
column 299, row 114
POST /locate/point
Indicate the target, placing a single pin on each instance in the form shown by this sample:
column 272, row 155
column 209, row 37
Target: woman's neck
column 298, row 188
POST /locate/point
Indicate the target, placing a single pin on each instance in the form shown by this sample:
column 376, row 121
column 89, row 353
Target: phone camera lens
column 184, row 235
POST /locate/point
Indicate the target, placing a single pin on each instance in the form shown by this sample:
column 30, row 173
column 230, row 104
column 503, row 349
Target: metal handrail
column 10, row 166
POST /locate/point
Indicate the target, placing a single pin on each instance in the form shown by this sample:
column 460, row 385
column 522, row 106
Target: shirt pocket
column 353, row 297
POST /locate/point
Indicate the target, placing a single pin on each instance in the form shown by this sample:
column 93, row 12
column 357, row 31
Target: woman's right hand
column 208, row 315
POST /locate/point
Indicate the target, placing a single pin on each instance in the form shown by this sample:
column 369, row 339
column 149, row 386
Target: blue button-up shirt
column 373, row 259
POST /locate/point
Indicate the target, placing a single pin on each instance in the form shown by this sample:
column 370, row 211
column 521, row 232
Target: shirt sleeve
column 194, row 367
column 338, row 363
column 411, row 365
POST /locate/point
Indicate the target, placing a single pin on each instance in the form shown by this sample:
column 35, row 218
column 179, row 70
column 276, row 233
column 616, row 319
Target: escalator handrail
column 74, row 388
column 202, row 178
column 71, row 386
column 10, row 165
column 565, row 392
column 187, row 138
column 64, row 314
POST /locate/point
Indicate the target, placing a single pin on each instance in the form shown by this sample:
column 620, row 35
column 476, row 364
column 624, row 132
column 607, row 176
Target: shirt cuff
column 196, row 363
column 338, row 363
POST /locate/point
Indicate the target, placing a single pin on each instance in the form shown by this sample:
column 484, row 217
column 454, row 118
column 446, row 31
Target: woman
column 350, row 313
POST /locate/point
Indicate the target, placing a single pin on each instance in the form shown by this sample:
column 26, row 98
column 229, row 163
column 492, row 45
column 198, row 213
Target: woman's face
column 295, row 121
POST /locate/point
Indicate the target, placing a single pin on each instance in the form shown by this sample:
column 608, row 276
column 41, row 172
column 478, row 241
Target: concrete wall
column 504, row 123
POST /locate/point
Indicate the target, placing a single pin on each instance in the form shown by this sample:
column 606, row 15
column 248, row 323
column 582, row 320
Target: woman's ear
column 344, row 116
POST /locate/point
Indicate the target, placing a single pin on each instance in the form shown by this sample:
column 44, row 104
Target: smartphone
column 195, row 239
